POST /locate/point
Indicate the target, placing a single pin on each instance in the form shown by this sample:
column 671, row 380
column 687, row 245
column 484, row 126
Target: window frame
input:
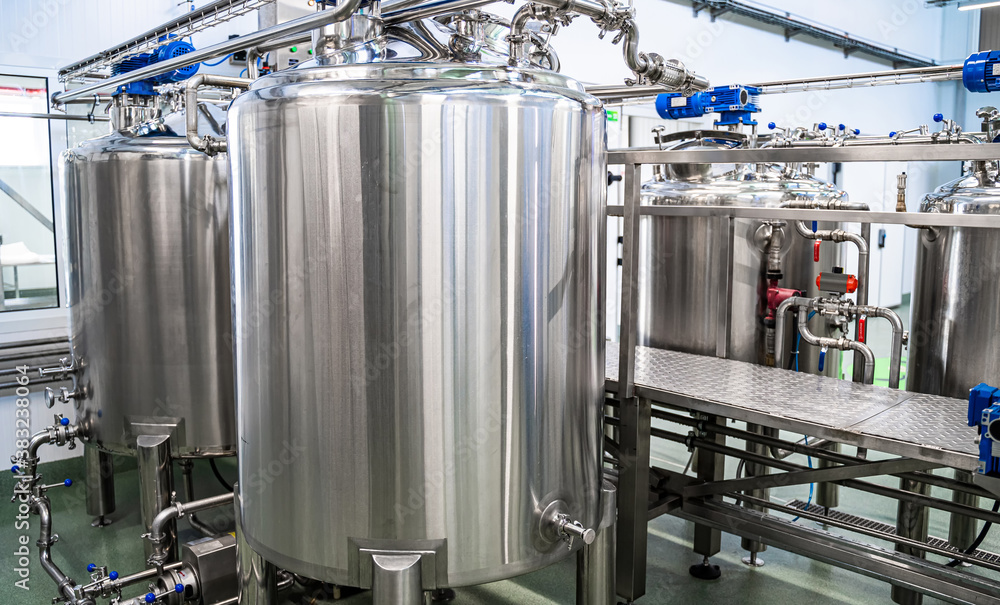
column 31, row 324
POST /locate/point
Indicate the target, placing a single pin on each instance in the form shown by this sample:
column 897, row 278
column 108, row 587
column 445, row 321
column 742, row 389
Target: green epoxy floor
column 785, row 578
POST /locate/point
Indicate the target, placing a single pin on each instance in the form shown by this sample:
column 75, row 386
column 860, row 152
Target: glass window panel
column 27, row 234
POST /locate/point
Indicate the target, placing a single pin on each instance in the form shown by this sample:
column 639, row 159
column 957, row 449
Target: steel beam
column 916, row 152
column 833, row 473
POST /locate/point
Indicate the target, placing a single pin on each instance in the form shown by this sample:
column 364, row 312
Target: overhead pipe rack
column 796, row 26
column 200, row 19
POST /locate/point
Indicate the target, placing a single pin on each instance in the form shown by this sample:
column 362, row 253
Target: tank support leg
column 100, row 485
column 396, row 580
column 258, row 579
column 911, row 522
column 709, row 466
column 156, row 485
column 595, row 563
column 962, row 529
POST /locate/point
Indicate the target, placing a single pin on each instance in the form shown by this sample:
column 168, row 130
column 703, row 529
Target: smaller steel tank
column 148, row 284
column 683, row 264
column 956, row 306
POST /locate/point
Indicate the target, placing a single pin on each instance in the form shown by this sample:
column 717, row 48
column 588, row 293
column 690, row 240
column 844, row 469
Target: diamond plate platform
column 924, row 427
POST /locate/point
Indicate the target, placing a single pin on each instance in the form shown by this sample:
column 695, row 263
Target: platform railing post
column 633, row 495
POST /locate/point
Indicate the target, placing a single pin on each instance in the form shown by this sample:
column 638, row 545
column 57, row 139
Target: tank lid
column 756, row 186
column 423, row 50
column 966, row 195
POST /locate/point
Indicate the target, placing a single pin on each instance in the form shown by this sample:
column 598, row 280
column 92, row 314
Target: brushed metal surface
column 682, row 260
column 417, row 299
column 915, row 425
column 148, row 290
column 956, row 295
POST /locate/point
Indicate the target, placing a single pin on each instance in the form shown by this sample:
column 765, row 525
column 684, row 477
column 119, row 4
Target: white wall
column 54, row 33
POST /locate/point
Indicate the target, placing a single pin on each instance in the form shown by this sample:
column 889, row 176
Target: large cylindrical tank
column 956, row 308
column 956, row 295
column 417, row 293
column 683, row 261
column 148, row 286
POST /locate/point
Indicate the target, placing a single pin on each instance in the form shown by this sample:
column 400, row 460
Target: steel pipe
column 54, row 116
column 652, row 68
column 206, row 144
column 40, row 505
column 816, row 450
column 871, row 488
column 160, row 527
column 302, row 24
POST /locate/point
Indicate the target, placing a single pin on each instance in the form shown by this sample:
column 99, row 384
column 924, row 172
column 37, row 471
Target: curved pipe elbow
column 865, row 350
column 38, row 440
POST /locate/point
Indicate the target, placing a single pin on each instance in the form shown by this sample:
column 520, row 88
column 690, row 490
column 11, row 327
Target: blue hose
column 809, row 461
column 220, row 61
column 798, row 343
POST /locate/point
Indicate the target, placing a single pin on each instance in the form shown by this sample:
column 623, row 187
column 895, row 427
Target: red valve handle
column 816, row 250
column 861, row 328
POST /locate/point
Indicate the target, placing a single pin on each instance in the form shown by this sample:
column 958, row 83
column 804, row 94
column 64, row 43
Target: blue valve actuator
column 64, row 421
column 91, row 567
column 771, row 125
column 939, row 117
column 113, row 575
column 822, row 126
column 981, row 72
column 178, row 588
column 68, row 482
column 150, row 597
column 735, row 103
column 15, row 468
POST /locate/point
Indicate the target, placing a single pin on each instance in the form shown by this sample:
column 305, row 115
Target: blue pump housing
column 167, row 51
column 981, row 72
column 984, row 411
column 735, row 103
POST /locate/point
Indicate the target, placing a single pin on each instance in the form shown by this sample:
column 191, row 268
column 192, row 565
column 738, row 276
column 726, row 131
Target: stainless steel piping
column 158, row 533
column 295, row 26
column 40, row 504
column 843, row 344
column 609, row 16
column 206, row 144
column 897, row 339
column 936, row 73
column 395, row 17
column 840, row 236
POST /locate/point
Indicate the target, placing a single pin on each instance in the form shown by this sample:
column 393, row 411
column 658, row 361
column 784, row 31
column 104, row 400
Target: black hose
column 979, row 539
column 218, row 475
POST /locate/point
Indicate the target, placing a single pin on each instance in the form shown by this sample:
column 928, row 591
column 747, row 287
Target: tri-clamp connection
column 62, row 432
column 609, row 16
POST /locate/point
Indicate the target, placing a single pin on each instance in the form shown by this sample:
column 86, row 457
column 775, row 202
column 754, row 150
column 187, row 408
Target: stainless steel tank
column 956, row 307
column 417, row 256
column 683, row 260
column 148, row 285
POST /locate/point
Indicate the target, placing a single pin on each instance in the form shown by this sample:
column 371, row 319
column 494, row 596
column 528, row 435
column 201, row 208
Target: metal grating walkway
column 923, row 427
column 865, row 523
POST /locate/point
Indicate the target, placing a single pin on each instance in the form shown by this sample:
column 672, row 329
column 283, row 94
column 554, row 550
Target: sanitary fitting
column 61, row 433
column 159, row 537
column 557, row 525
column 207, row 144
column 901, row 192
column 609, row 16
